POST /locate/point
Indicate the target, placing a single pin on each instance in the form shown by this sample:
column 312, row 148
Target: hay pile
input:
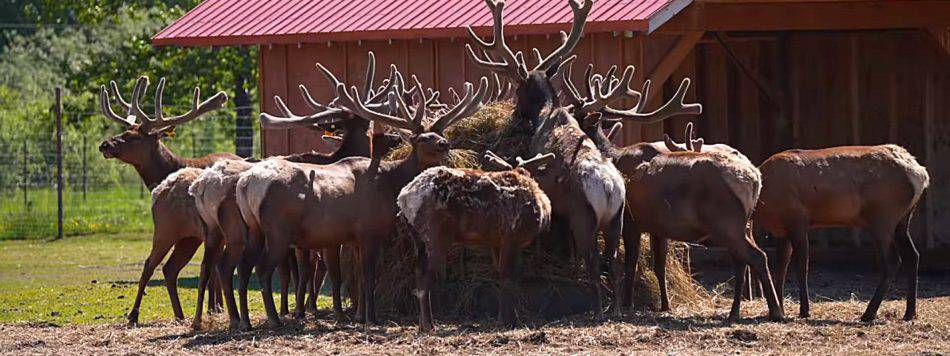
column 552, row 283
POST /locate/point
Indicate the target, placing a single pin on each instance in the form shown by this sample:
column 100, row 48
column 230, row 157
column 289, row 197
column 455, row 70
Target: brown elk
column 585, row 188
column 214, row 192
column 175, row 218
column 500, row 210
column 352, row 201
column 871, row 187
column 690, row 186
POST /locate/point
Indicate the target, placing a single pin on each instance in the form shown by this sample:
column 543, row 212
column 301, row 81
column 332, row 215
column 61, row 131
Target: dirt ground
column 833, row 328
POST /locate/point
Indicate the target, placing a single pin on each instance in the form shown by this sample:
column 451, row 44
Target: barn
column 771, row 74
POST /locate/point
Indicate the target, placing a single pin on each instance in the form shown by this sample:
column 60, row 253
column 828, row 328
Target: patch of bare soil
column 833, row 329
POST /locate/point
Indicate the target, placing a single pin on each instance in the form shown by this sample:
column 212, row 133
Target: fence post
column 59, row 162
column 83, row 167
column 25, row 177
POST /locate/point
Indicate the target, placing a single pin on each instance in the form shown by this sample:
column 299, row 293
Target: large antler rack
column 512, row 64
column 600, row 91
column 414, row 119
column 160, row 123
column 330, row 112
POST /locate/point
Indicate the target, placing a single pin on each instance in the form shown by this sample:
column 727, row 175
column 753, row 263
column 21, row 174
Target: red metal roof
column 246, row 22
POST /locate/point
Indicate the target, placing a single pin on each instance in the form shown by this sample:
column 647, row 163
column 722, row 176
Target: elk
column 584, row 187
column 501, row 210
column 686, row 184
column 214, row 191
column 166, row 174
column 870, row 187
column 352, row 201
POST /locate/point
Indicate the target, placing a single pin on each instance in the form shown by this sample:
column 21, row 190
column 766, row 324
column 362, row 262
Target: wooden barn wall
column 836, row 89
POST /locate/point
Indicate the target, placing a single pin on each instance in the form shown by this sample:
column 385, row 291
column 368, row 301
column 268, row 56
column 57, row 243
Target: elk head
column 140, row 141
column 536, row 92
column 429, row 146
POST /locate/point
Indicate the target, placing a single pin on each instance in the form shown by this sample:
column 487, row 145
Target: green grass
column 90, row 280
column 118, row 209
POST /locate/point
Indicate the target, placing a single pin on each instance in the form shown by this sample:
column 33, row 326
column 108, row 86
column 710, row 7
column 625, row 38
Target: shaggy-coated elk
column 696, row 193
column 214, row 192
column 501, row 210
column 173, row 211
column 352, row 201
column 871, row 187
column 585, row 189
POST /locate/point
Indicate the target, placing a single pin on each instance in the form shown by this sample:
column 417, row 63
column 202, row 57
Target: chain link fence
column 99, row 194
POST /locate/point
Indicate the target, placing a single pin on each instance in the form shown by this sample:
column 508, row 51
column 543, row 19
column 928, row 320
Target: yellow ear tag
column 327, row 133
column 170, row 134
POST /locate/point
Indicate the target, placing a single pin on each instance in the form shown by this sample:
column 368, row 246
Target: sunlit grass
column 91, row 279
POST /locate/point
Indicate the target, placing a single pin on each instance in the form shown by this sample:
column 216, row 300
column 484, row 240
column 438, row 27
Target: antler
column 499, row 162
column 511, row 64
column 160, row 122
column 466, row 107
column 106, row 105
column 570, row 41
column 601, row 91
column 327, row 113
column 690, row 144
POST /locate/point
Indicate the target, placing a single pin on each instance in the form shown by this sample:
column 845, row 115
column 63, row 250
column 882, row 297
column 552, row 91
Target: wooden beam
column 837, row 15
column 771, row 94
column 941, row 38
column 673, row 58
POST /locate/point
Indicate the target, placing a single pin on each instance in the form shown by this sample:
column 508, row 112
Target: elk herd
column 293, row 213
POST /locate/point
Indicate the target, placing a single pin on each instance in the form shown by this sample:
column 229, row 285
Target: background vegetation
column 80, row 45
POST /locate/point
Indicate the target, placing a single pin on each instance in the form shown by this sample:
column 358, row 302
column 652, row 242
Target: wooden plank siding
column 836, row 88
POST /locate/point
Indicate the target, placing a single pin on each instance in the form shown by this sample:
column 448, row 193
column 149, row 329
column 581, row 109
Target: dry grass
column 832, row 329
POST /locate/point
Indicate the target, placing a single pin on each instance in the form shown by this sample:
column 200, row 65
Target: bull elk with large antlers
column 871, row 187
column 585, row 188
column 176, row 220
column 352, row 201
column 500, row 210
column 214, row 190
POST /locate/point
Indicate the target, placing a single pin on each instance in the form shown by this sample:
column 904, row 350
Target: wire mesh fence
column 99, row 194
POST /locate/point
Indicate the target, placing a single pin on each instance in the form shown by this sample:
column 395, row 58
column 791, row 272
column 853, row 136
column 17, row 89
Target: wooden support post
column 673, row 58
column 930, row 156
column 59, row 163
column 855, row 106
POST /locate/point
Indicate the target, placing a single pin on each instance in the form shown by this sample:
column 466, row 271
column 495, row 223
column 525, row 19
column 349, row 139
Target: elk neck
column 596, row 134
column 161, row 163
column 355, row 142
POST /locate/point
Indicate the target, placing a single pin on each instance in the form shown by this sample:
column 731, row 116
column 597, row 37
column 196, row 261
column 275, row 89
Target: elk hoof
column 733, row 317
column 245, row 326
column 300, row 315
column 777, row 317
column 910, row 316
column 804, row 315
column 274, row 323
column 339, row 316
column 235, row 325
column 133, row 318
column 868, row 318
column 196, row 325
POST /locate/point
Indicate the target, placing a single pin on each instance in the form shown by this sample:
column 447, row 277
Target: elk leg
column 218, row 302
column 154, row 258
column 287, row 274
column 303, row 275
column 232, row 256
column 425, row 271
column 612, row 246
column 784, row 254
column 631, row 244
column 370, row 252
column 331, row 257
column 741, row 269
column 660, row 245
column 273, row 257
column 889, row 264
column 182, row 253
column 910, row 260
column 800, row 256
column 584, row 231
column 507, row 270
column 317, row 283
column 244, row 278
column 205, row 275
